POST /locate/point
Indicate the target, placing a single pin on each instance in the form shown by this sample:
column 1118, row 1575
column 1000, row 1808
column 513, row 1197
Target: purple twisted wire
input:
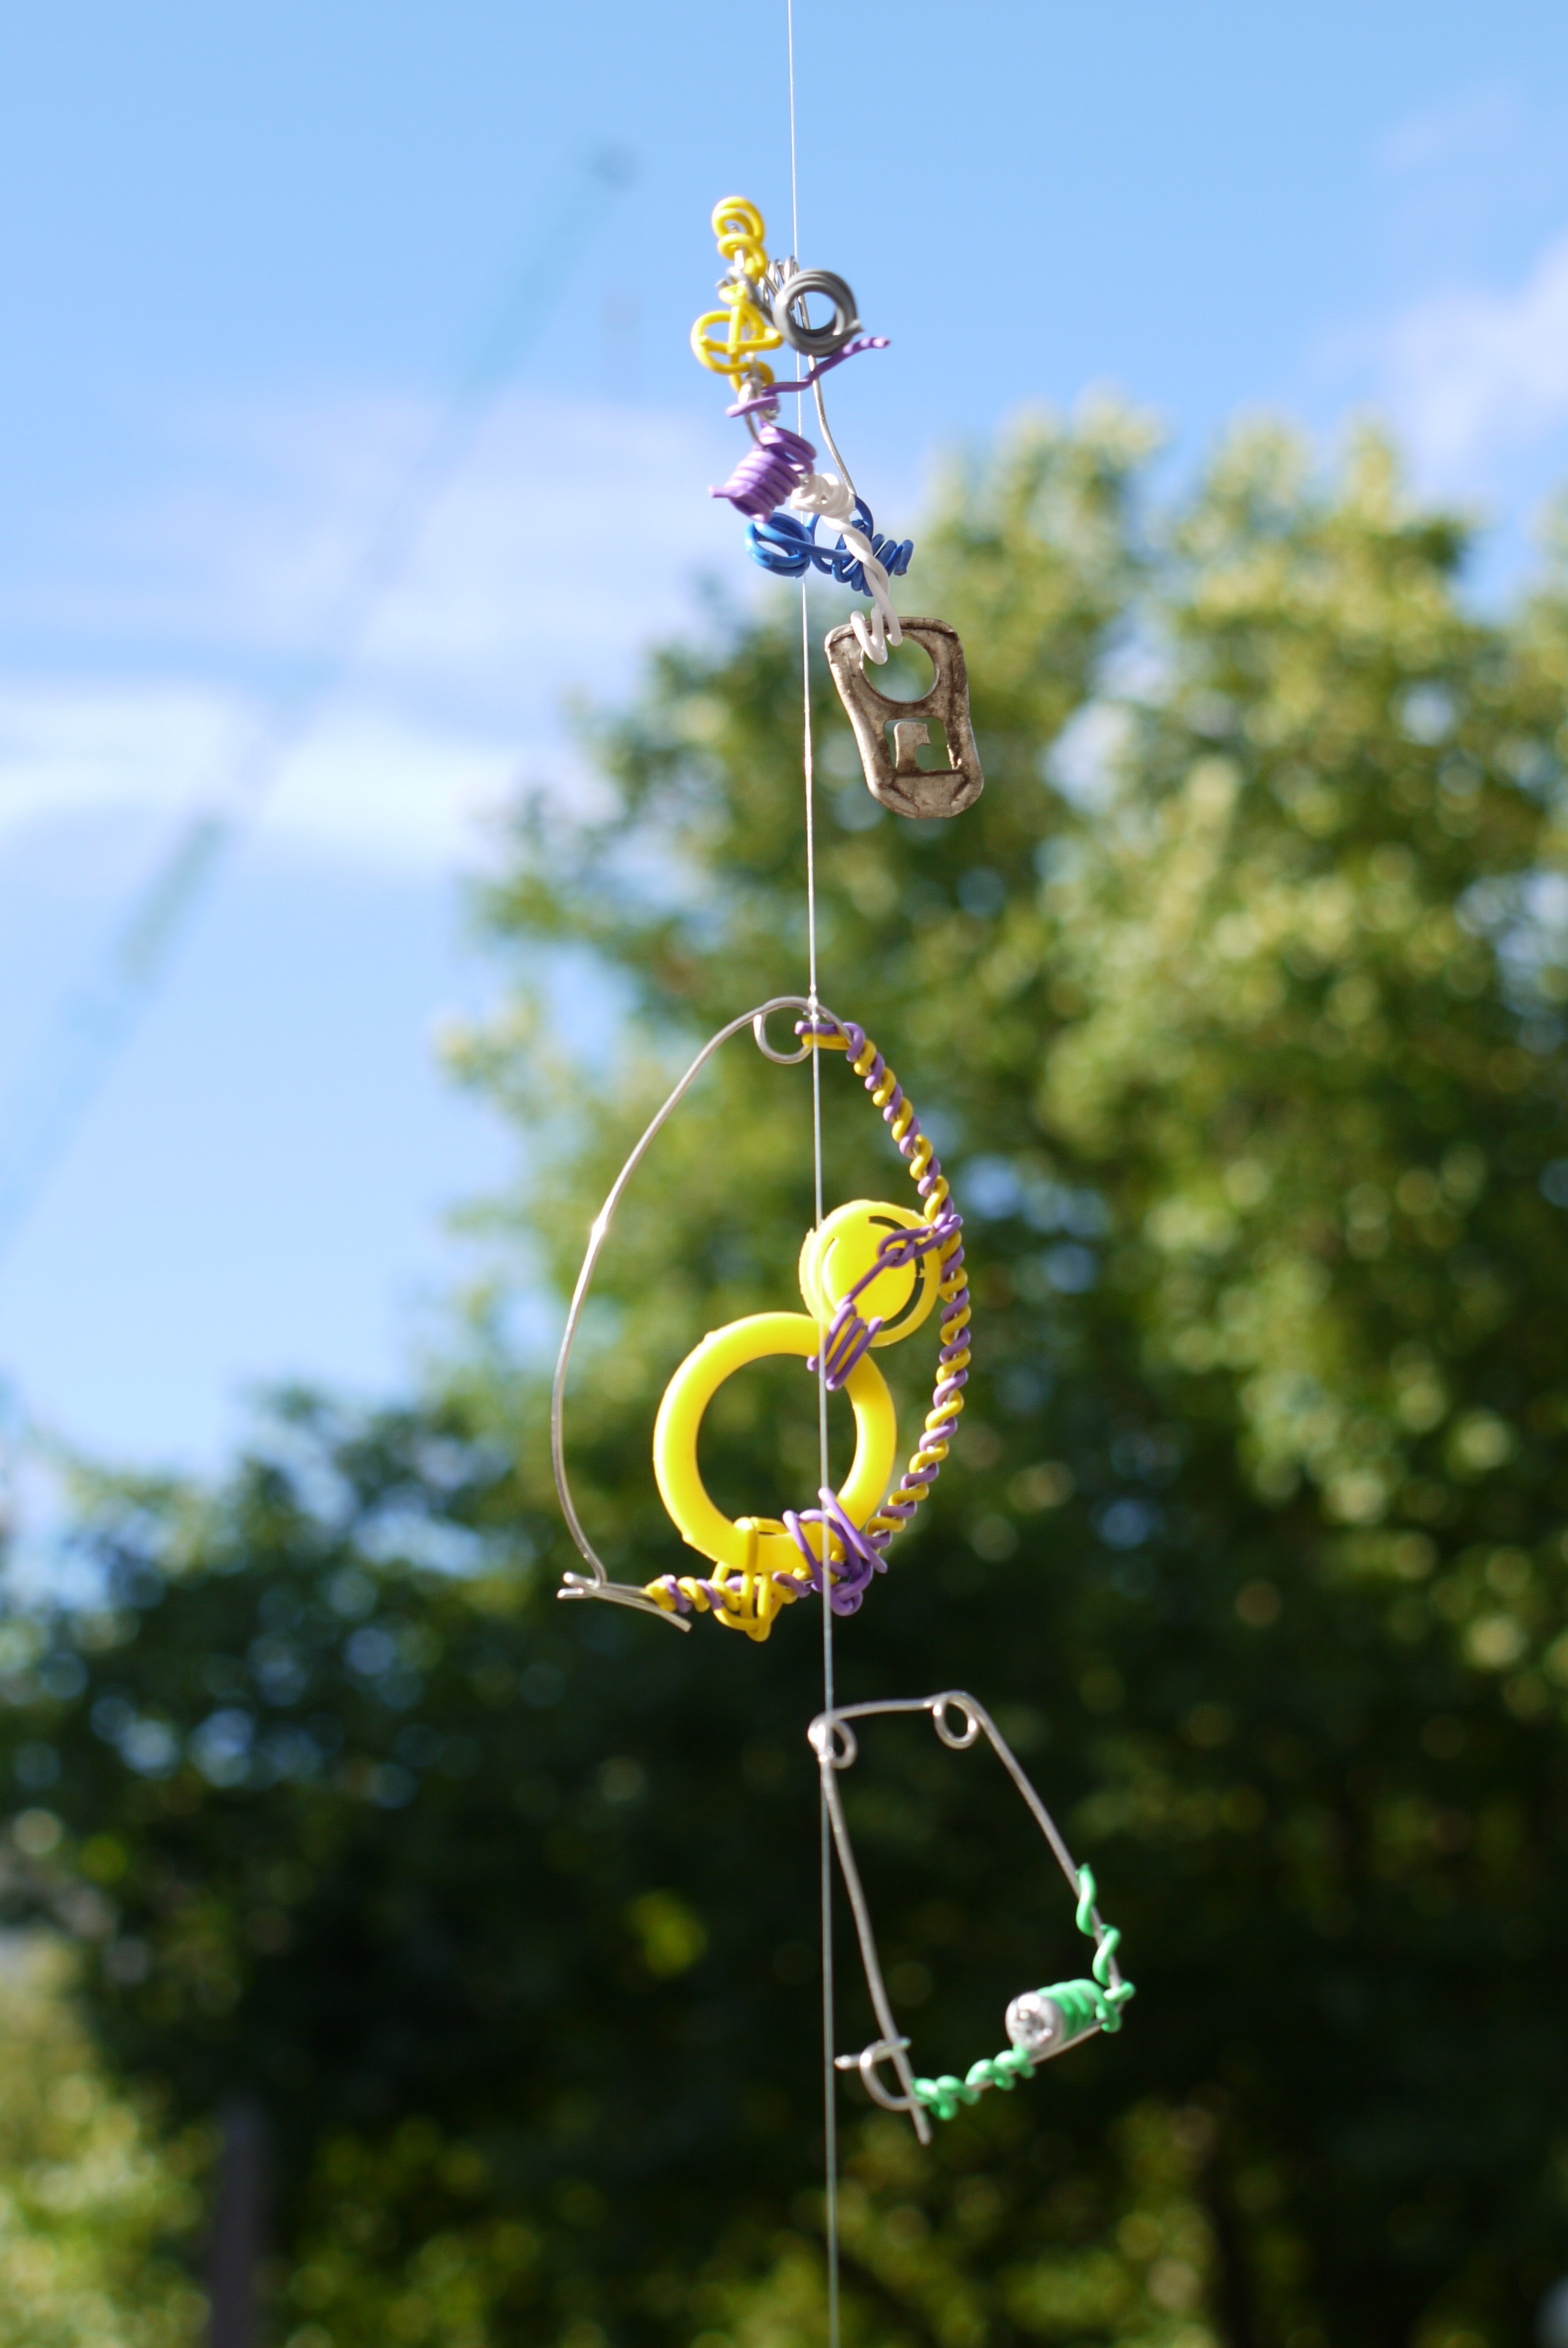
column 777, row 391
column 768, row 472
column 861, row 1558
column 717, row 1599
column 951, row 1378
column 849, row 1336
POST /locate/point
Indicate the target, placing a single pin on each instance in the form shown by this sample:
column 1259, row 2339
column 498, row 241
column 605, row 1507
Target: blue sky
column 245, row 256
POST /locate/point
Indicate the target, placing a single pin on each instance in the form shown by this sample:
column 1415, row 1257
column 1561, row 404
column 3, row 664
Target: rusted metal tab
column 893, row 771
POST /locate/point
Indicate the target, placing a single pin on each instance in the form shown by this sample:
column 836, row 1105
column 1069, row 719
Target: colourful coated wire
column 749, row 1597
column 1084, row 2005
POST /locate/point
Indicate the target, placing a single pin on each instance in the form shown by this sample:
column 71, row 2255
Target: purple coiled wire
column 849, row 1336
column 768, row 472
column 862, row 1555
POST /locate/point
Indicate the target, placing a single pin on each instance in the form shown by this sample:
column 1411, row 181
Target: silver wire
column 829, row 2022
column 890, row 2046
column 829, row 2027
column 844, row 474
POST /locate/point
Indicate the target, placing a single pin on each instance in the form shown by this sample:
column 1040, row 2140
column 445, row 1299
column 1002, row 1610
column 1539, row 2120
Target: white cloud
column 369, row 786
column 1479, row 123
column 372, row 787
column 1474, row 376
column 565, row 542
column 88, row 744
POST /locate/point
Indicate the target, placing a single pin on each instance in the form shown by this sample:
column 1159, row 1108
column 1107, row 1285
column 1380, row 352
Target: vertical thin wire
column 794, row 173
column 829, row 2030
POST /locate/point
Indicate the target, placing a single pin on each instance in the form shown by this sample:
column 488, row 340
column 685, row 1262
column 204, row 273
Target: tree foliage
column 1235, row 1007
column 96, row 2203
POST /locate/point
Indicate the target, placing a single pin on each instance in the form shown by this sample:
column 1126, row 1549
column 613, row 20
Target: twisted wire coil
column 787, row 548
column 1085, row 2006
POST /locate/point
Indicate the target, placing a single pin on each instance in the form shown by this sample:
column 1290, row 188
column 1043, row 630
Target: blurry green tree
column 96, row 2205
column 1236, row 1008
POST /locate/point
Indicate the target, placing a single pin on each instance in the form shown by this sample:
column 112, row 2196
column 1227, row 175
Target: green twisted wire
column 1109, row 2001
column 945, row 2095
column 1083, row 2005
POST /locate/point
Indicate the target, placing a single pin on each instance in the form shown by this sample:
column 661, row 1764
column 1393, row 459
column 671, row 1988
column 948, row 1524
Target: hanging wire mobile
column 1040, row 2024
column 764, row 305
column 871, row 1272
column 869, row 1257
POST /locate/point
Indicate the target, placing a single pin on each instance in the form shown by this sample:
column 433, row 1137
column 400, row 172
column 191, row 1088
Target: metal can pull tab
column 894, row 775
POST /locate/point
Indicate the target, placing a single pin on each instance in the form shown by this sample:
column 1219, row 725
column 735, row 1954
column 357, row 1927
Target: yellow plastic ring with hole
column 750, row 1544
column 845, row 1248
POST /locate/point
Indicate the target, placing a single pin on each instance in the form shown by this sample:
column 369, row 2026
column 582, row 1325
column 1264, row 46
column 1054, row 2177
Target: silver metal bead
column 1034, row 2023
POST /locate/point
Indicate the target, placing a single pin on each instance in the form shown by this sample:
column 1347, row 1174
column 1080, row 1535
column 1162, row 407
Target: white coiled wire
column 825, row 494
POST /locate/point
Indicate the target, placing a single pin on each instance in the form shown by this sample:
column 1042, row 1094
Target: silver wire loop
column 816, row 342
column 596, row 1583
column 780, row 1059
column 959, row 1740
column 833, row 1743
column 881, row 2050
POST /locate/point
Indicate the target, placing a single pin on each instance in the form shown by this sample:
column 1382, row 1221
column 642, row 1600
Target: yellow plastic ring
column 700, row 1523
column 844, row 1249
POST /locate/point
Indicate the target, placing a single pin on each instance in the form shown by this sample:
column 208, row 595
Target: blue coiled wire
column 787, row 547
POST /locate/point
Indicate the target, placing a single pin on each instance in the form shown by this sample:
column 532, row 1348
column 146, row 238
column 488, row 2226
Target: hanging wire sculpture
column 900, row 1262
column 1040, row 2024
column 765, row 304
column 871, row 1272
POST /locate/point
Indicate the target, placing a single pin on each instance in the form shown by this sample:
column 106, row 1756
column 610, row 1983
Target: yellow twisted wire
column 745, row 331
column 942, row 1417
column 741, row 1598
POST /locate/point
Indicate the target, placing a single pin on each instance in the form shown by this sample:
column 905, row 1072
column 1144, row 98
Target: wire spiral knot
column 944, row 2096
column 849, row 1559
column 769, row 472
column 1040, row 2024
column 787, row 548
column 1045, row 2021
column 744, row 324
column 1110, row 1992
column 825, row 494
column 836, row 1556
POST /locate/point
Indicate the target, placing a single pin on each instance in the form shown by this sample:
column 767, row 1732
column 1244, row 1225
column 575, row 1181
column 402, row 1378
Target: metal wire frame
column 596, row 1583
column 833, row 1743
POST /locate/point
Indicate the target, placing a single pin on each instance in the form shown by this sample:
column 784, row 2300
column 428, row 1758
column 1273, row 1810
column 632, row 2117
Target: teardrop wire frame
column 833, row 1743
column 596, row 1583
